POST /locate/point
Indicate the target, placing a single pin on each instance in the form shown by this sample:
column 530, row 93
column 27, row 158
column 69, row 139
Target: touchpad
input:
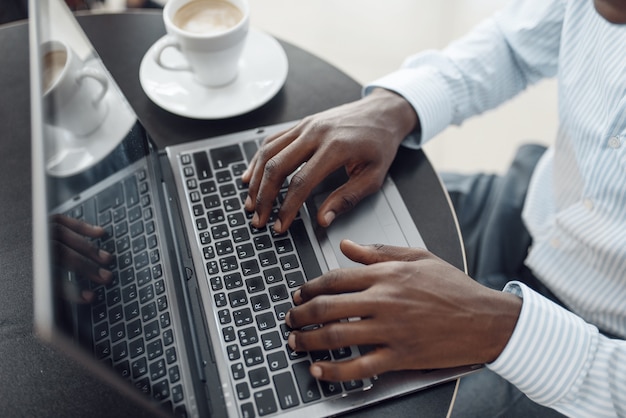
column 372, row 221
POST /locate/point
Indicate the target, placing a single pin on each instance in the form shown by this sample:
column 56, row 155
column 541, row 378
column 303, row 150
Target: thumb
column 379, row 253
column 344, row 198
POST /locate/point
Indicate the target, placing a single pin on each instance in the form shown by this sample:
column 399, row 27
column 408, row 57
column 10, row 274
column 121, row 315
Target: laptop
column 187, row 316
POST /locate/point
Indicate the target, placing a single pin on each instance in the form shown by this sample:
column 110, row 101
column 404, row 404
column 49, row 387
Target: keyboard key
column 271, row 340
column 224, row 156
column 307, row 256
column 265, row 321
column 237, row 371
column 250, row 148
column 307, row 384
column 294, row 279
column 277, row 360
column 286, row 390
column 248, row 336
column 250, row 267
column 243, row 391
column 273, row 275
column 253, row 356
column 259, row 377
column 247, row 410
column 265, row 402
column 330, row 388
column 255, row 284
column 203, row 168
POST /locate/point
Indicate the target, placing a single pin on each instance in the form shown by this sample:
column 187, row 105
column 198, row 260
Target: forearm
column 560, row 361
column 490, row 65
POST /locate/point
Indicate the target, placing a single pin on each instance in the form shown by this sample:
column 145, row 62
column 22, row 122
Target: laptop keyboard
column 252, row 274
column 132, row 330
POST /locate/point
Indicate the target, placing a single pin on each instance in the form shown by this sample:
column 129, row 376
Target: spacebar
column 305, row 250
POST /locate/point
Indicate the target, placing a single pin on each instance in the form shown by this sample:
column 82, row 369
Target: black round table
column 40, row 382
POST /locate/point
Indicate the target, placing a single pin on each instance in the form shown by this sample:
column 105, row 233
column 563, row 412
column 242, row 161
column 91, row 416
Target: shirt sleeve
column 494, row 62
column 560, row 361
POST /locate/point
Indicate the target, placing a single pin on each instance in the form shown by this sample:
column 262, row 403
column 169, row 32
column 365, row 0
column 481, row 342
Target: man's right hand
column 362, row 136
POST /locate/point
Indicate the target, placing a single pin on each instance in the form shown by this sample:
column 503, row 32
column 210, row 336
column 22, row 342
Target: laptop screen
column 91, row 204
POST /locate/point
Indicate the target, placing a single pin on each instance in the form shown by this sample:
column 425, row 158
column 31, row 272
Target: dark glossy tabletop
column 35, row 380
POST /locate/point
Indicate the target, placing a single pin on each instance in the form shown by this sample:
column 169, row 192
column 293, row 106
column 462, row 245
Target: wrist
column 504, row 311
column 399, row 115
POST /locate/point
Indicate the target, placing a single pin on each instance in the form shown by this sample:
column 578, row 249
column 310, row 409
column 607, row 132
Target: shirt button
column 555, row 243
column 614, row 142
column 588, row 204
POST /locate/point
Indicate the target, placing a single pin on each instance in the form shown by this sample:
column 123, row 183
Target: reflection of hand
column 75, row 253
column 417, row 310
column 362, row 137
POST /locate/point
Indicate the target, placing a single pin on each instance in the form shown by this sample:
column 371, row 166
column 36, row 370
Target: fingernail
column 248, row 202
column 86, row 295
column 288, row 319
column 297, row 297
column 329, row 217
column 292, row 341
column 255, row 219
column 105, row 275
column 104, row 255
column 278, row 225
column 316, row 371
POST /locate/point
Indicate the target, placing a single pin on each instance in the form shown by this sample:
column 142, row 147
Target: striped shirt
column 576, row 203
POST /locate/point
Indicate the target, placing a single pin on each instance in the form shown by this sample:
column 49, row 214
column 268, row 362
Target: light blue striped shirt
column 576, row 203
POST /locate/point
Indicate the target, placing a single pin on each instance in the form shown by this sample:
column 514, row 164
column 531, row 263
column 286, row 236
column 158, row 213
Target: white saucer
column 68, row 154
column 262, row 72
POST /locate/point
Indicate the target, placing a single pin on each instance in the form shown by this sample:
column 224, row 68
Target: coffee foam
column 53, row 65
column 207, row 16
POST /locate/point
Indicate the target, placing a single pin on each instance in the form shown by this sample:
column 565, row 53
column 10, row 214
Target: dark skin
column 73, row 252
column 410, row 302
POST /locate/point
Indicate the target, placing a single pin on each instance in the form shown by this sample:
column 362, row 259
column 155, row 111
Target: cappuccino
column 207, row 16
column 53, row 65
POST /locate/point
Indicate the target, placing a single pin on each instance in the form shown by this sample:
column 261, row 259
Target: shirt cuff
column 550, row 351
column 427, row 92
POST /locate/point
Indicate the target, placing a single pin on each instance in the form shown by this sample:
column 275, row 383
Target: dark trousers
column 496, row 242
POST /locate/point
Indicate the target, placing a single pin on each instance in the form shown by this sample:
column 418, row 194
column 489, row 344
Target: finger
column 254, row 173
column 328, row 308
column 378, row 253
column 70, row 238
column 345, row 198
column 78, row 226
column 317, row 168
column 338, row 281
column 81, row 265
column 372, row 364
column 337, row 335
column 246, row 175
column 275, row 164
column 72, row 292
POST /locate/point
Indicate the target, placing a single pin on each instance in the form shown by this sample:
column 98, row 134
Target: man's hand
column 362, row 137
column 75, row 253
column 417, row 310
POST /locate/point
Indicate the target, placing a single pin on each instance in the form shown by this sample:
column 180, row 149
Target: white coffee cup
column 73, row 92
column 210, row 37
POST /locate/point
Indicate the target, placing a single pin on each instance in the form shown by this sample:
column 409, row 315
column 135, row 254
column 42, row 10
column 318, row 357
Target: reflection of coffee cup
column 73, row 92
column 210, row 34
